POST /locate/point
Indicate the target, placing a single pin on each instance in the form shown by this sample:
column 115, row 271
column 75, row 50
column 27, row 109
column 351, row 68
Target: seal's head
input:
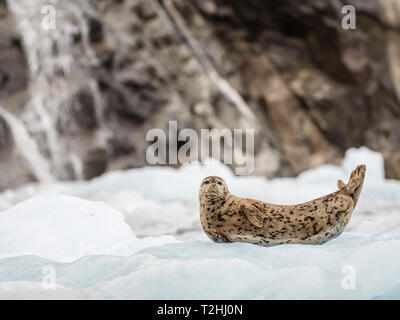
column 213, row 189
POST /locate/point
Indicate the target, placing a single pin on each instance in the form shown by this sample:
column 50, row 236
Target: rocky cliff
column 77, row 100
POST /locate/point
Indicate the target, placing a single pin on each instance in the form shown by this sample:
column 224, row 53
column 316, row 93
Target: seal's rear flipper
column 355, row 184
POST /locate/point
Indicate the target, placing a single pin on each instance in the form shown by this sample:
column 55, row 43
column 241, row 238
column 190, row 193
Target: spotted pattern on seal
column 228, row 218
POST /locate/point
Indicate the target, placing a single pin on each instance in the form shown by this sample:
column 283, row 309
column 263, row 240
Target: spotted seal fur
column 228, row 218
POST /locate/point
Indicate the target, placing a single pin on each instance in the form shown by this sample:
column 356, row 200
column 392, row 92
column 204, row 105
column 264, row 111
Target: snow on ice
column 144, row 239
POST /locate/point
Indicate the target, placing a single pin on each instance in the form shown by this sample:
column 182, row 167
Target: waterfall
column 59, row 65
column 27, row 146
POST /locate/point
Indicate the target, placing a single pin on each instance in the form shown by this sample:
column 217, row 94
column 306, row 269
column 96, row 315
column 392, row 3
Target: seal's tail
column 355, row 184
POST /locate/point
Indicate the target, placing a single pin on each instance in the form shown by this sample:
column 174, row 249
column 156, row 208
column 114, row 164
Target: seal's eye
column 207, row 182
column 220, row 183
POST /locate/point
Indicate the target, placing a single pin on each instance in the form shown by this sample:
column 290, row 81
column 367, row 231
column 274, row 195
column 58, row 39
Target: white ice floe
column 348, row 267
column 26, row 290
column 114, row 263
column 65, row 228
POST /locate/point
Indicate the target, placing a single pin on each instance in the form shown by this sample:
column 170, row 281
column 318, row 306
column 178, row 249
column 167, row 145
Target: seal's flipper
column 217, row 236
column 254, row 215
column 340, row 184
column 355, row 184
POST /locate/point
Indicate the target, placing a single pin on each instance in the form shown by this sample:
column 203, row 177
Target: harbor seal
column 228, row 218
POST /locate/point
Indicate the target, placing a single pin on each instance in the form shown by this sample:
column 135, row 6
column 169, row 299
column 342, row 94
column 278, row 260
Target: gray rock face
column 13, row 67
column 97, row 83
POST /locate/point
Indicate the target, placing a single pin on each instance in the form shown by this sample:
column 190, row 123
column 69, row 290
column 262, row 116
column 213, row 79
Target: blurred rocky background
column 77, row 100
